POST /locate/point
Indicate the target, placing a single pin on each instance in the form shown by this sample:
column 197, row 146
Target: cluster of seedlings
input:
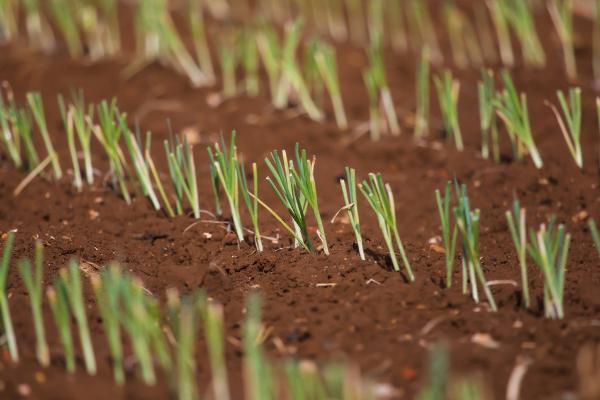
column 163, row 336
column 250, row 46
column 293, row 182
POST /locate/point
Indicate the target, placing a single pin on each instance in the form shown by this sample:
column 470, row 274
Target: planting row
column 165, row 336
column 291, row 179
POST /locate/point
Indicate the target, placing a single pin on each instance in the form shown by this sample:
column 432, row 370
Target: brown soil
column 371, row 315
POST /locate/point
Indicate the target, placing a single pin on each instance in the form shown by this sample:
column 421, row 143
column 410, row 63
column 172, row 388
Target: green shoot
column 251, row 204
column 107, row 290
column 185, row 325
column 502, row 32
column 304, row 176
column 108, row 134
column 139, row 162
column 396, row 26
column 423, row 29
column 8, row 20
column 520, row 16
column 158, row 183
column 198, row 31
column 69, row 127
column 484, row 32
column 270, row 54
column 327, row 65
column 387, row 104
column 59, row 304
column 595, row 234
column 570, row 125
column 37, row 108
column 468, row 227
column 182, row 169
column 512, row 109
column 422, row 100
column 357, row 26
column 351, row 206
column 65, row 20
column 39, row 31
column 23, row 129
column 7, row 324
column 228, row 58
column 286, row 188
column 375, row 23
column 374, row 115
column 517, row 226
column 212, row 314
column 549, row 248
column 454, row 22
column 250, row 62
column 136, row 321
column 33, row 282
column 225, row 163
column 9, row 139
column 257, row 371
column 448, row 90
column 381, row 199
column 487, row 115
column 71, row 280
column 437, row 377
column 110, row 12
column 84, row 132
column 561, row 12
column 448, row 238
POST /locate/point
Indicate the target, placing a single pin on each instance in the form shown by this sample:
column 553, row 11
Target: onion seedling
column 249, row 52
column 291, row 76
column 549, row 248
column 304, row 176
column 468, row 227
column 517, row 225
column 463, row 39
column 108, row 134
column 69, row 128
column 59, row 304
column 33, row 282
column 7, row 324
column 512, row 109
column 351, row 205
column 422, row 94
column 37, row 108
column 374, row 115
column 182, row 169
column 570, row 125
column 23, row 128
column 595, row 234
column 502, row 31
column 84, row 131
column 379, row 92
column 484, row 32
column 139, row 163
column 224, row 160
column 110, row 11
column 136, row 321
column 396, row 26
column 327, row 65
column 487, row 115
column 71, row 279
column 158, row 183
column 257, row 371
column 448, row 90
column 251, row 204
column 38, row 29
column 185, row 324
column 336, row 20
column 448, row 235
column 286, row 188
column 561, row 12
column 354, row 9
column 212, row 315
column 381, row 199
column 198, row 30
column 423, row 29
column 9, row 21
column 66, row 22
column 519, row 15
column 228, row 57
column 375, row 21
column 10, row 139
column 107, row 288
column 270, row 54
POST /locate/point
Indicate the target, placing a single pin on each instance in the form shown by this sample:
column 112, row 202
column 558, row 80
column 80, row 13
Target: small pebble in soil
column 40, row 377
column 24, row 389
